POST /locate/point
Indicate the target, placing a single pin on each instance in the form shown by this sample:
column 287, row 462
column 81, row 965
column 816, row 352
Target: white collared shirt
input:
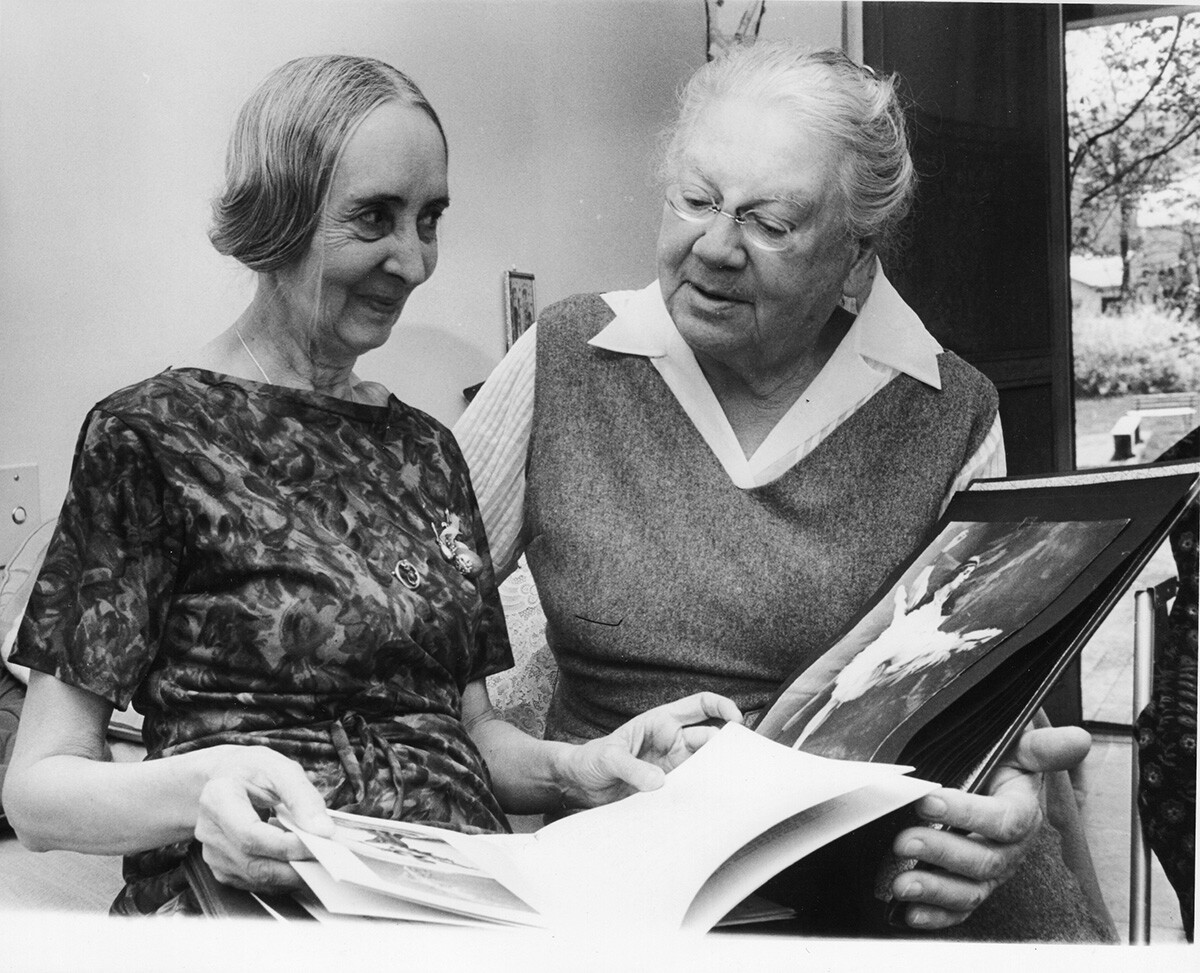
column 886, row 339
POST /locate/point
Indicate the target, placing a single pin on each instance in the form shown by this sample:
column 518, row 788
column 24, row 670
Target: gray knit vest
column 660, row 578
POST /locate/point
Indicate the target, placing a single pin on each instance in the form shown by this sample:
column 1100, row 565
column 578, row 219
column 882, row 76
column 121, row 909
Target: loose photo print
column 971, row 587
column 399, row 843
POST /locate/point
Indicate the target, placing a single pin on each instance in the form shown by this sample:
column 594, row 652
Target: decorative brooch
column 407, row 574
column 447, row 531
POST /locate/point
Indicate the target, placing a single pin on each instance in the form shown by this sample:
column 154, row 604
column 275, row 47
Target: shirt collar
column 887, row 331
column 642, row 325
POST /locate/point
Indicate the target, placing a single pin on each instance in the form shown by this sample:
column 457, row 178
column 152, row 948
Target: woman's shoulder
column 960, row 376
column 565, row 328
column 419, row 422
column 151, row 394
column 579, row 312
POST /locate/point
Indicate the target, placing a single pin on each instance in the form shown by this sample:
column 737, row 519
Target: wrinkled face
column 746, row 308
column 377, row 239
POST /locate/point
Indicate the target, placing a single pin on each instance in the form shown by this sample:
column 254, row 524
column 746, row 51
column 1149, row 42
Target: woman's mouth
column 713, row 296
column 383, row 303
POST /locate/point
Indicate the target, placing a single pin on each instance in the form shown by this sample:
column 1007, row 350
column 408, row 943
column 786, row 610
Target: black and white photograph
column 975, row 584
column 859, row 421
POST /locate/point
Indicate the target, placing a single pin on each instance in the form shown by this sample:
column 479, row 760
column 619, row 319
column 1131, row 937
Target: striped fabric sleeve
column 493, row 434
column 988, row 461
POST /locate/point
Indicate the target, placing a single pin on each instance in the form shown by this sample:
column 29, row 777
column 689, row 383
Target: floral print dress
column 1166, row 729
column 253, row 564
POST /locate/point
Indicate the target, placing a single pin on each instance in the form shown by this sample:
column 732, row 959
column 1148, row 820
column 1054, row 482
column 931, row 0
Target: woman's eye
column 769, row 227
column 373, row 223
column 427, row 225
column 699, row 202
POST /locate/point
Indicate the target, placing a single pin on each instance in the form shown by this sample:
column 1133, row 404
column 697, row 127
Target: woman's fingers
column 239, row 846
column 636, row 756
column 1050, row 748
column 938, row 899
column 242, row 849
column 703, row 706
column 615, row 764
column 659, row 732
column 969, row 857
column 993, row 835
column 1009, row 815
column 270, row 780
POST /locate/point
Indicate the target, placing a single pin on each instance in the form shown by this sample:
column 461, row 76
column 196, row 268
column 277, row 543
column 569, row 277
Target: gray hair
column 284, row 149
column 857, row 112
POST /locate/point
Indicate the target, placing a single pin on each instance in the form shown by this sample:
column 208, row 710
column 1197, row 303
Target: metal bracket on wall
column 20, row 508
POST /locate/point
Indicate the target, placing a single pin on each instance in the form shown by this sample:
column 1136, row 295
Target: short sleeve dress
column 253, row 564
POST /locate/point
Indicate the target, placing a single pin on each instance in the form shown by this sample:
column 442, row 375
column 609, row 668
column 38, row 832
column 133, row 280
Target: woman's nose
column 409, row 257
column 721, row 244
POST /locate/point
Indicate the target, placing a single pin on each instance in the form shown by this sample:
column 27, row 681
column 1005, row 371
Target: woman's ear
column 856, row 287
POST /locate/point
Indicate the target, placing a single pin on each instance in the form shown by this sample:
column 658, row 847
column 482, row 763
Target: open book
column 678, row 858
column 940, row 672
column 959, row 648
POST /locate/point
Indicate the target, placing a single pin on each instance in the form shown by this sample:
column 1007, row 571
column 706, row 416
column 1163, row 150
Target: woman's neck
column 288, row 356
column 263, row 347
column 755, row 399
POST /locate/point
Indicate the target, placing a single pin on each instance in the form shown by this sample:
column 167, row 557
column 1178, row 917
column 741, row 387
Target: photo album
column 926, row 688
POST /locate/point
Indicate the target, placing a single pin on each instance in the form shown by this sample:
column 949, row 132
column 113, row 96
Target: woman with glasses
column 711, row 475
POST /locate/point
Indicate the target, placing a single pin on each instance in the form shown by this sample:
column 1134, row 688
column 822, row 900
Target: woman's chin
column 368, row 332
column 711, row 335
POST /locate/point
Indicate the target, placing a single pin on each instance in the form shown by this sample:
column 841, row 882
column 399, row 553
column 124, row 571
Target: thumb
column 617, row 764
column 1051, row 748
column 295, row 792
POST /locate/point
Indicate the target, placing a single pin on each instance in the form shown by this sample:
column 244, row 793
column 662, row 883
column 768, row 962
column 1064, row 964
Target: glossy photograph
column 975, row 584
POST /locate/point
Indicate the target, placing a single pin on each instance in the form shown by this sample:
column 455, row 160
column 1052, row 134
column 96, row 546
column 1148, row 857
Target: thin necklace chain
column 262, row 371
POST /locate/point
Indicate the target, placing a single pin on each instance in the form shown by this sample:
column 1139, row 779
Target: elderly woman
column 284, row 566
column 711, row 475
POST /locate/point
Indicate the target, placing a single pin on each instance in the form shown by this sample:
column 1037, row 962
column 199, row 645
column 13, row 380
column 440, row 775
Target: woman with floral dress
column 283, row 566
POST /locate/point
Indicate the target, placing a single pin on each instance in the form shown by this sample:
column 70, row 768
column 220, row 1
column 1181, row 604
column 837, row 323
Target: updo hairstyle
column 849, row 106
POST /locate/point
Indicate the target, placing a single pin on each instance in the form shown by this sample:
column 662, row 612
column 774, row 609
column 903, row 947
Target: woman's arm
column 61, row 793
column 988, row 462
column 531, row 775
column 493, row 434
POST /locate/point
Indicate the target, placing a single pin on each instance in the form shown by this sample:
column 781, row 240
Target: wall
column 113, row 121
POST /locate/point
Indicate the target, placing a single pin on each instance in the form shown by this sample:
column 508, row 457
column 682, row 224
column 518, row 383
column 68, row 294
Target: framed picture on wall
column 519, row 307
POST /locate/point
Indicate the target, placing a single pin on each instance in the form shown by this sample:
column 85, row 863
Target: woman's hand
column 1000, row 828
column 637, row 755
column 241, row 849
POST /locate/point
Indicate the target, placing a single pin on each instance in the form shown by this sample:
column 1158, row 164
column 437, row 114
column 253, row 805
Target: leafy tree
column 1133, row 113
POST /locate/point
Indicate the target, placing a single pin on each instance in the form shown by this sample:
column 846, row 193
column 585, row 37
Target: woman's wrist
column 566, row 791
column 198, row 768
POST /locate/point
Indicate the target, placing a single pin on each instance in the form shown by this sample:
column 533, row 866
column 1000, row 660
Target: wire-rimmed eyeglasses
column 761, row 230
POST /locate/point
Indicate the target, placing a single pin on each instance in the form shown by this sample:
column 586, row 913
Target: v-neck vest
column 660, row 578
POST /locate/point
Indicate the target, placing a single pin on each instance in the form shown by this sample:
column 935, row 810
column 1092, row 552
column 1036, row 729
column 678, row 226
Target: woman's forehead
column 395, row 146
column 756, row 146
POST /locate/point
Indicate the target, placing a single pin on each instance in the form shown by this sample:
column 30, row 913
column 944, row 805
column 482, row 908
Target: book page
column 458, row 889
column 344, row 899
column 794, row 839
column 640, row 861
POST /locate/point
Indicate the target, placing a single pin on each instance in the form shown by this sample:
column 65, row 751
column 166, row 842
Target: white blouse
column 886, row 339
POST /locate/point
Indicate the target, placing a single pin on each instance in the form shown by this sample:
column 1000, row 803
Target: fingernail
column 933, row 808
column 913, row 847
column 918, row 917
column 912, row 890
